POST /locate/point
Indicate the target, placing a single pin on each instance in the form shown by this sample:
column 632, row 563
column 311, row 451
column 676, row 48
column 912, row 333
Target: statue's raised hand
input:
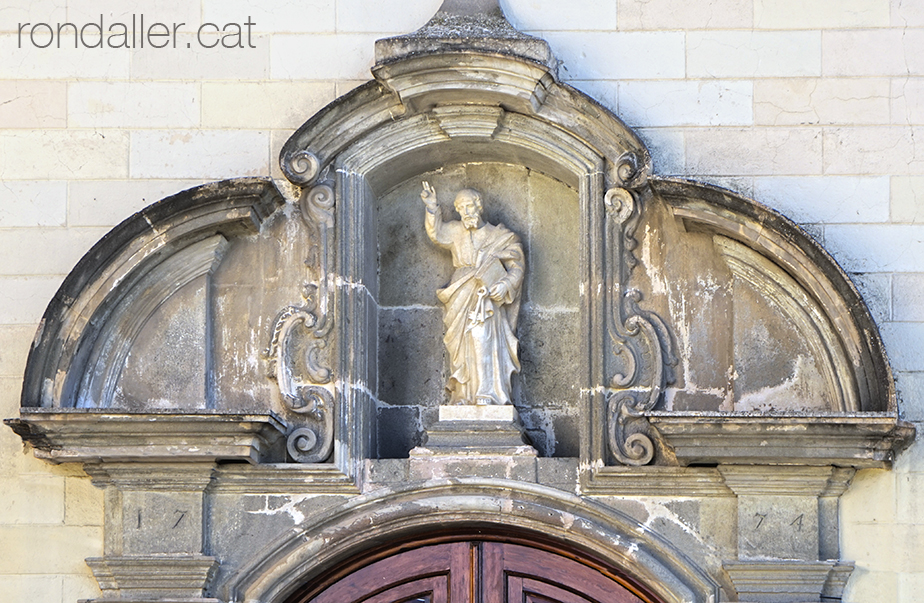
column 428, row 196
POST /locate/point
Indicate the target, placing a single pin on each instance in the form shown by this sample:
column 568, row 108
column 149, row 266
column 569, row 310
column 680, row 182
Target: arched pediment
column 795, row 274
column 676, row 299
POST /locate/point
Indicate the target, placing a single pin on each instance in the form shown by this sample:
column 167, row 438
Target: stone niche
column 412, row 372
column 246, row 375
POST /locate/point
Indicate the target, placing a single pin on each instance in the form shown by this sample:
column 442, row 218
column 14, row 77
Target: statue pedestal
column 479, row 430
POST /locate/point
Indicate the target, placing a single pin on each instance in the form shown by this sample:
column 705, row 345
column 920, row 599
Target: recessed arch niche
column 538, row 180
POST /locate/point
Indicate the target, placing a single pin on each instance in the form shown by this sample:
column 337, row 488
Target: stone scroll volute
column 298, row 352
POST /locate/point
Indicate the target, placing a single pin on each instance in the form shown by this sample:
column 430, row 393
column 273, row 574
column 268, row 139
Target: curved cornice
column 112, row 267
column 415, row 85
column 711, row 209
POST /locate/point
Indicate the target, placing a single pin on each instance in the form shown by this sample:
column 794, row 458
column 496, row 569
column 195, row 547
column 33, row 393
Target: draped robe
column 479, row 335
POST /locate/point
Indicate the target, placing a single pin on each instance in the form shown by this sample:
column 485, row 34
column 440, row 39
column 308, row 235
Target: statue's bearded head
column 468, row 204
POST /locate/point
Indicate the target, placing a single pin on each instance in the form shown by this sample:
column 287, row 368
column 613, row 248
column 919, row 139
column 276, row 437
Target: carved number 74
column 795, row 522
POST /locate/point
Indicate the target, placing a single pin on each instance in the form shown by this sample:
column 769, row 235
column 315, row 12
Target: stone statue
column 482, row 300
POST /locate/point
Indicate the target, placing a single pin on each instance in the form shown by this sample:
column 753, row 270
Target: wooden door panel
column 452, row 562
column 526, row 590
column 558, row 573
column 466, row 572
column 434, row 589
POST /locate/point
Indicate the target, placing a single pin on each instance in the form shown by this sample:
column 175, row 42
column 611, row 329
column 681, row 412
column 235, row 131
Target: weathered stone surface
column 141, row 577
column 155, row 523
column 779, row 581
column 782, row 527
column 851, row 439
column 412, row 367
column 168, row 365
column 641, row 294
column 467, row 27
column 451, row 465
column 91, row 436
column 398, row 430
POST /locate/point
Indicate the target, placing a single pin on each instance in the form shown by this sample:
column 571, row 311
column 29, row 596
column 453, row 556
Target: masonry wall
column 813, row 107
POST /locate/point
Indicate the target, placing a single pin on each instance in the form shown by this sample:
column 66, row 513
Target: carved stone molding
column 300, row 338
column 300, row 167
column 799, row 271
column 142, row 578
column 657, row 481
column 424, row 81
column 115, row 340
column 281, row 478
column 816, row 330
column 642, row 344
column 836, row 582
column 309, row 550
column 782, row 581
column 166, row 477
column 96, row 436
column 162, row 246
column 756, row 480
column 857, row 440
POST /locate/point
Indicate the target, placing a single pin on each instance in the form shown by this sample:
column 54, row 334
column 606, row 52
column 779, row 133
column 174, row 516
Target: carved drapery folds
column 299, row 344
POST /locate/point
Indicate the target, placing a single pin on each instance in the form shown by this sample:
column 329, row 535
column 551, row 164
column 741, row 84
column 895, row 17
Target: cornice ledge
column 771, row 480
column 287, row 478
column 858, row 440
column 101, row 436
column 142, row 578
column 655, row 481
column 787, row 581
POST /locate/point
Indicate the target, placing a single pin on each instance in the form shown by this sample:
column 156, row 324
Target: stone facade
column 813, row 114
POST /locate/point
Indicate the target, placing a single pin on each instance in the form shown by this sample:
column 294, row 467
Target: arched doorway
column 371, row 528
column 469, row 571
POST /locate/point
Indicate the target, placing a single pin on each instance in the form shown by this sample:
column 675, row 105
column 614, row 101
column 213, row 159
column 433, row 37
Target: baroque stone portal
column 482, row 299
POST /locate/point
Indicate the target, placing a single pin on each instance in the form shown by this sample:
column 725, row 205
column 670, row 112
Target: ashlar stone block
column 133, row 105
column 622, row 55
column 873, row 52
column 188, row 60
column 753, row 53
column 19, row 59
column 30, row 104
column 784, row 527
column 676, row 14
column 275, row 16
column 79, row 153
column 199, row 154
column 161, row 522
column 798, row 14
column 822, row 101
column 349, row 56
column 36, row 203
column 907, row 199
column 686, row 103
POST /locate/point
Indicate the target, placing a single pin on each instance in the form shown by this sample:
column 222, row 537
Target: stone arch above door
column 468, row 507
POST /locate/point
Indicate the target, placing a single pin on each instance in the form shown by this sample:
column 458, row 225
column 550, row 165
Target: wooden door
column 476, row 572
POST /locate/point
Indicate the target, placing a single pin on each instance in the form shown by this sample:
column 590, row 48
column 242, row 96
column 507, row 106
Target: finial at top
column 472, row 7
column 466, row 25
